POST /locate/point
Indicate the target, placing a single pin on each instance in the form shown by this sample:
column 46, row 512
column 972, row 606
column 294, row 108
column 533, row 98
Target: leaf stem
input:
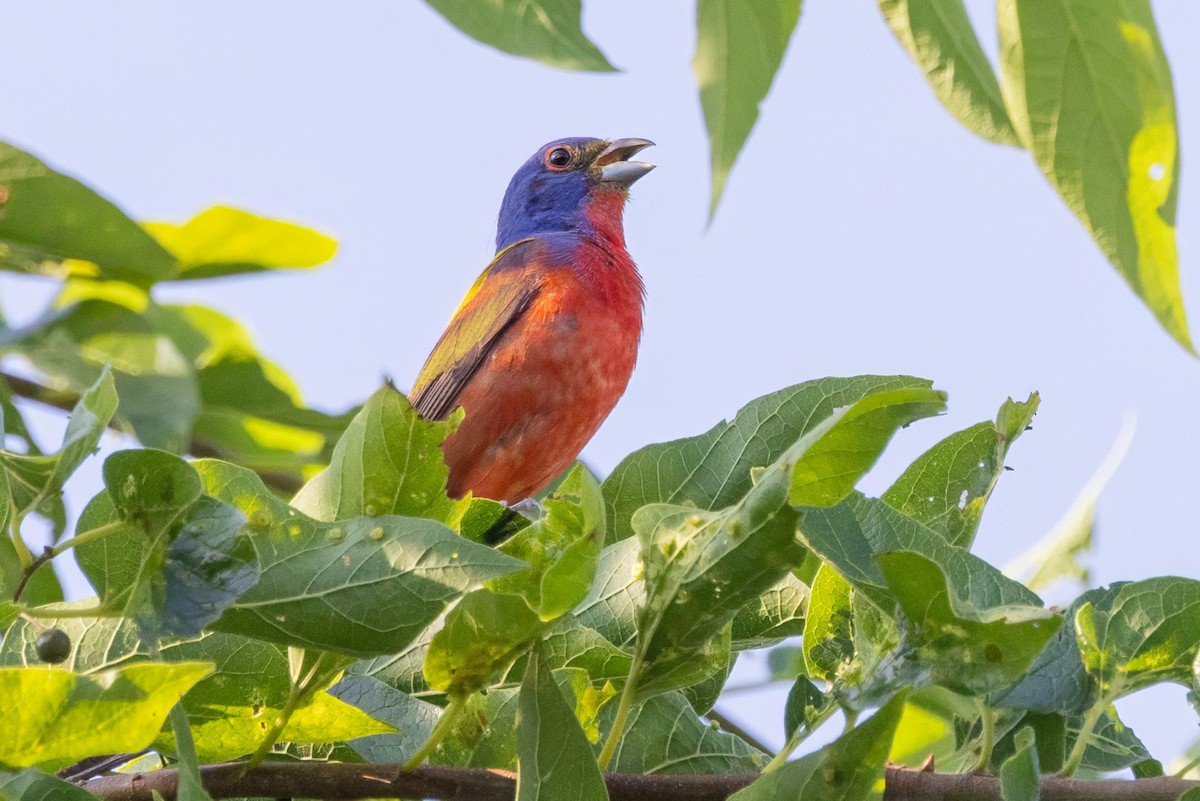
column 624, row 706
column 1085, row 736
column 297, row 692
column 100, row 532
column 987, row 739
column 23, row 553
column 450, row 715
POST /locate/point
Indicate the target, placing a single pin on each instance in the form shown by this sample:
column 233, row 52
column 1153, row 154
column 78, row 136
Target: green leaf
column 116, row 325
column 805, row 707
column 562, row 548
column 828, row 629
column 413, row 719
column 47, row 217
column 970, row 649
column 773, row 615
column 664, row 736
column 191, row 786
column 33, row 785
column 847, row 769
column 713, row 470
column 1145, row 633
column 1089, row 91
column 88, row 420
column 388, row 461
column 617, row 592
column 28, row 481
column 1019, row 773
column 361, row 587
column 227, row 709
column 51, row 716
column 939, row 37
column 43, row 586
column 173, row 559
column 849, row 535
column 491, row 627
column 739, row 47
column 226, row 241
column 1056, row 555
column 548, row 31
column 947, row 486
column 554, row 758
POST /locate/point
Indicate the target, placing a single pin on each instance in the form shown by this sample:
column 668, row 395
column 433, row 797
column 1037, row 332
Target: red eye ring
column 559, row 158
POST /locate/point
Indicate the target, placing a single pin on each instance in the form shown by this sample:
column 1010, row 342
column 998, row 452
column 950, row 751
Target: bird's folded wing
column 497, row 300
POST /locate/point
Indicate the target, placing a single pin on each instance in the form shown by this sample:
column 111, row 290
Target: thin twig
column 201, row 448
column 733, row 727
column 348, row 781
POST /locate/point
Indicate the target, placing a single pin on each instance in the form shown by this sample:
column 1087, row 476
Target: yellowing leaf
column 227, row 241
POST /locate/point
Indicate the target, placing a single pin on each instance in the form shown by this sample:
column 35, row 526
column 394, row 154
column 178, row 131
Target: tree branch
column 343, row 781
column 346, row 781
column 200, row 448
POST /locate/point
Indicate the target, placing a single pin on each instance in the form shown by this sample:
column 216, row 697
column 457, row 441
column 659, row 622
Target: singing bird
column 543, row 345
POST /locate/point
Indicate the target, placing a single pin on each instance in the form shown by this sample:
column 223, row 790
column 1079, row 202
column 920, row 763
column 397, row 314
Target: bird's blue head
column 554, row 190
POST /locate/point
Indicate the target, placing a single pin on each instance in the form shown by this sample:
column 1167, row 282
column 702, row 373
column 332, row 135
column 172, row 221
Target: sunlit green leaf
column 51, row 716
column 940, row 38
column 1145, row 633
column 226, row 241
column 546, row 30
column 713, row 470
column 739, row 47
column 1089, row 91
column 388, row 462
column 947, row 486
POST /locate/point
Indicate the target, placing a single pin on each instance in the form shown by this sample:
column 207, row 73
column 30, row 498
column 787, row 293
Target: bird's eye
column 559, row 157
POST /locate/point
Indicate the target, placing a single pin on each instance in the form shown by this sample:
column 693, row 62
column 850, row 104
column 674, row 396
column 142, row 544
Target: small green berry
column 53, row 646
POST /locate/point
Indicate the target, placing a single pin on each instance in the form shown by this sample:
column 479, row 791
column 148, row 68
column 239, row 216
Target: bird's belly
column 537, row 399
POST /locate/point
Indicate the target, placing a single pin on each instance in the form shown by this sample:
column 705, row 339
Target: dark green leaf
column 490, row 628
column 1088, row 89
column 209, row 566
column 664, row 735
column 939, row 36
column 48, row 217
column 713, row 470
column 947, row 486
column 33, row 785
column 1019, row 773
column 370, row 585
column 150, row 486
column 846, row 769
column 972, row 649
column 554, row 757
column 51, row 716
column 739, row 47
column 805, row 707
column 413, row 719
column 546, row 30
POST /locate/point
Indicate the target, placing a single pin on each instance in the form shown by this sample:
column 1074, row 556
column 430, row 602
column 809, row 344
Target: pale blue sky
column 863, row 230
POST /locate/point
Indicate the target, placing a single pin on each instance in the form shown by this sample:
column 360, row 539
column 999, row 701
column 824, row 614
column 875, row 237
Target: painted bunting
column 543, row 345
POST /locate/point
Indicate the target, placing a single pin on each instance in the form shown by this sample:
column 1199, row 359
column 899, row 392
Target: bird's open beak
column 615, row 166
